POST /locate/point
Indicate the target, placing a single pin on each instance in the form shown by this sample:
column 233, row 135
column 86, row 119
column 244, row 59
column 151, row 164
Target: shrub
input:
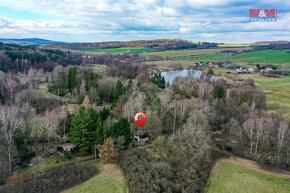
column 108, row 152
column 159, row 141
column 68, row 155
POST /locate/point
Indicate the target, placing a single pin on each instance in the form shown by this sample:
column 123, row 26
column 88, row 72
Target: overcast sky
column 111, row 20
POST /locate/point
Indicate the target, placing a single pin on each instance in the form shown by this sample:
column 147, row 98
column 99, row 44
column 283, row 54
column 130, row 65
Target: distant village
column 236, row 68
column 269, row 70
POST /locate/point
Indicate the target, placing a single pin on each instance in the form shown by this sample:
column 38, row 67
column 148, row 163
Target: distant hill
column 272, row 42
column 28, row 41
column 158, row 44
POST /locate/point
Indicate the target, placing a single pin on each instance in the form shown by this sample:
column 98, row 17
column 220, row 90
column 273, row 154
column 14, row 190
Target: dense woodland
column 190, row 123
column 161, row 44
column 19, row 58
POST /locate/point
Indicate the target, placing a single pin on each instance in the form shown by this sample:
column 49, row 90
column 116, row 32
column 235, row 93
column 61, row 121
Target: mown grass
column 109, row 180
column 122, row 50
column 231, row 178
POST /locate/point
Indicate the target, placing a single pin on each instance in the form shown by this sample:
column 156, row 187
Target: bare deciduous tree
column 249, row 128
column 205, row 90
column 254, row 128
column 10, row 86
column 282, row 133
column 10, row 122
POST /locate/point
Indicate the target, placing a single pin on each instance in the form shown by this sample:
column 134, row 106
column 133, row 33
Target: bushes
column 159, row 141
column 159, row 80
column 218, row 91
column 151, row 173
column 108, row 152
column 54, row 180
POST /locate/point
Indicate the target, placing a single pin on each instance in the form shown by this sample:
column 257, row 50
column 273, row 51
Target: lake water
column 196, row 74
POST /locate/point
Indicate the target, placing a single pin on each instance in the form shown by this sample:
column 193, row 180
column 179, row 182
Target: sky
column 122, row 20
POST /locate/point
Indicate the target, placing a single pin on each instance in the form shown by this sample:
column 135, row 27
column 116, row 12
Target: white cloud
column 103, row 20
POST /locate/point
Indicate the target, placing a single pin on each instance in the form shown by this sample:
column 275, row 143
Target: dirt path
column 252, row 165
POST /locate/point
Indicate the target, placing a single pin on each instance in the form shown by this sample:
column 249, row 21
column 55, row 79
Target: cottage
column 139, row 136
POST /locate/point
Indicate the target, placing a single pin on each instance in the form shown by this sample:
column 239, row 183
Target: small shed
column 140, row 136
column 68, row 147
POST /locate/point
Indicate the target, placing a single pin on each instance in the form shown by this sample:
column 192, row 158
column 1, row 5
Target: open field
column 165, row 64
column 234, row 45
column 239, row 45
column 277, row 89
column 187, row 53
column 122, row 50
column 207, row 55
column 109, row 180
column 99, row 68
column 263, row 56
column 240, row 175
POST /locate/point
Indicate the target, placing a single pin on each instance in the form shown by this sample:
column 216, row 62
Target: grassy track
column 229, row 177
column 122, row 50
column 110, row 180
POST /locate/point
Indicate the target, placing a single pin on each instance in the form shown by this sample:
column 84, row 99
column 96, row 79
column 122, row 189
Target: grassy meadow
column 109, row 180
column 232, row 178
column 121, row 50
column 99, row 68
column 207, row 55
column 239, row 45
column 277, row 89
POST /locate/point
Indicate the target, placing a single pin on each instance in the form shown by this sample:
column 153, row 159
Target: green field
column 122, row 50
column 109, row 180
column 277, row 89
column 99, row 68
column 262, row 56
column 165, row 64
column 176, row 54
column 239, row 45
column 231, row 178
column 207, row 55
column 234, row 45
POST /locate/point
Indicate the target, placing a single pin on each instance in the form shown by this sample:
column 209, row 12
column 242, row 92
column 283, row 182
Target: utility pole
column 95, row 152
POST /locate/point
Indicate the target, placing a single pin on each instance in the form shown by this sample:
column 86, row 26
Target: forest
column 159, row 44
column 51, row 97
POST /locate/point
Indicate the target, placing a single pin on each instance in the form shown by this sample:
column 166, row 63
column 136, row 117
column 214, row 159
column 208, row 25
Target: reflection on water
column 192, row 75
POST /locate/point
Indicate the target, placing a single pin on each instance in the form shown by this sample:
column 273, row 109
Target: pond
column 195, row 74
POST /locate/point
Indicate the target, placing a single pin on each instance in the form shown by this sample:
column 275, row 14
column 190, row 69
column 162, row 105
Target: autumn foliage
column 108, row 152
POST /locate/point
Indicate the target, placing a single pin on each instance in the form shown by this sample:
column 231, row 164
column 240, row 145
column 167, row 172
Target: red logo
column 262, row 13
column 140, row 122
